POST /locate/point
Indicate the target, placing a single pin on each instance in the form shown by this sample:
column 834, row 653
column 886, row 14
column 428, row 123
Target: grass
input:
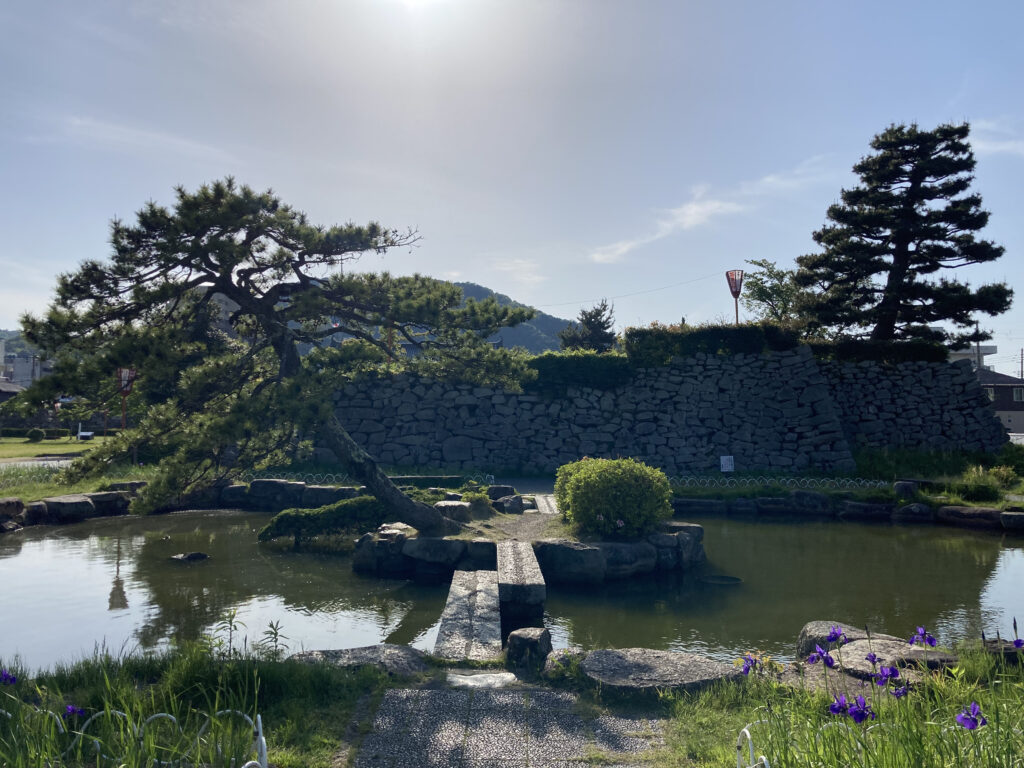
column 31, row 483
column 304, row 708
column 20, row 448
column 797, row 728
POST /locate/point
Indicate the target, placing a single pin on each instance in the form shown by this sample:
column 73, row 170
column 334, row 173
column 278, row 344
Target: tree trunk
column 421, row 517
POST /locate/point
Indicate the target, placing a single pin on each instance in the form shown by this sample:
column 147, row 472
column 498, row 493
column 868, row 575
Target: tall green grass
column 115, row 704
column 795, row 728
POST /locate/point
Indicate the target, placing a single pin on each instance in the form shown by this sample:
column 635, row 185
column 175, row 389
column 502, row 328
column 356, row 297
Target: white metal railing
column 745, row 739
column 259, row 745
column 841, row 483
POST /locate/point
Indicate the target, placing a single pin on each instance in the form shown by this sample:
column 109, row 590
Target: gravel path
column 501, row 728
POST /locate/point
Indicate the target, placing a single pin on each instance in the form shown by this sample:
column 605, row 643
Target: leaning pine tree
column 880, row 273
column 241, row 394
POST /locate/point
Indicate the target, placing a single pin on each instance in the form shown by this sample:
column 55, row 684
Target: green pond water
column 111, row 583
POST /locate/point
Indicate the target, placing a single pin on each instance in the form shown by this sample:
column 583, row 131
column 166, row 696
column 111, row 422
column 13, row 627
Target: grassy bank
column 20, row 448
column 305, row 709
column 927, row 726
column 31, row 483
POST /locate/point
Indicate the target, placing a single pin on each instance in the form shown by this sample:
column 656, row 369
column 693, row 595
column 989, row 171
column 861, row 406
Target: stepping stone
column 546, row 504
column 398, row 660
column 471, row 621
column 521, row 586
column 646, row 671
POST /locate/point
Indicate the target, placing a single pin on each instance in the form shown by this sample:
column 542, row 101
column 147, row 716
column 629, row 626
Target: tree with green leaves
column 213, row 300
column 592, row 329
column 770, row 293
column 892, row 238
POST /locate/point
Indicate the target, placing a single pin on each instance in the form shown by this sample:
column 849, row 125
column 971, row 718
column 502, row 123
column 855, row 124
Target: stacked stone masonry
column 778, row 412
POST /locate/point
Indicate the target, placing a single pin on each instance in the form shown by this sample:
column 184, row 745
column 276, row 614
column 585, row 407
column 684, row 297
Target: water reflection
column 113, row 581
column 890, row 578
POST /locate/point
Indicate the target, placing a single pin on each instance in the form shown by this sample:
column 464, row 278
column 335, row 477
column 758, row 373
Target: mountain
column 537, row 335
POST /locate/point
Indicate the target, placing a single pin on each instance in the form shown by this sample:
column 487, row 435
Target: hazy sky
column 558, row 151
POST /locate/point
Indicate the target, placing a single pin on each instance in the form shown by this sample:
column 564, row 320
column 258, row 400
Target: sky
column 558, row 151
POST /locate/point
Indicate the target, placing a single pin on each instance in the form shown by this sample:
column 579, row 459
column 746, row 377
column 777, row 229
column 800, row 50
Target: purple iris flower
column 7, row 678
column 820, row 654
column 922, row 637
column 750, row 663
column 871, row 657
column 860, row 710
column 899, row 693
column 836, row 634
column 885, row 674
column 971, row 717
column 1018, row 643
column 839, row 706
column 71, row 711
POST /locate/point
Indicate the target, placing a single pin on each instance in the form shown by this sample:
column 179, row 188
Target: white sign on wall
column 728, row 463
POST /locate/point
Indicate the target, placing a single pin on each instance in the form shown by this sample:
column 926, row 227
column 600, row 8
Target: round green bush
column 613, row 498
column 479, row 503
column 35, row 435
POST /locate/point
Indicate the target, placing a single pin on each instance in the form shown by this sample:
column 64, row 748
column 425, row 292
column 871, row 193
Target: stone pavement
column 500, row 728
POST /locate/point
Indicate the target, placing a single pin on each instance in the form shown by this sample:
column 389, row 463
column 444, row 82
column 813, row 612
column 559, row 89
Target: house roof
column 6, row 386
column 991, row 378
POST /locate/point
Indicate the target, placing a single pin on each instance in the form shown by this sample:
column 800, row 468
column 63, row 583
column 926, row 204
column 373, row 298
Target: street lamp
column 735, row 280
column 125, row 379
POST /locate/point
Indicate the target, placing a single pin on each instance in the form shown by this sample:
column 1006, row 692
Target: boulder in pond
column 190, row 557
column 528, row 647
column 570, row 562
column 625, row 559
column 970, row 517
column 914, row 513
column 70, row 508
column 1012, row 520
column 817, row 632
column 11, row 507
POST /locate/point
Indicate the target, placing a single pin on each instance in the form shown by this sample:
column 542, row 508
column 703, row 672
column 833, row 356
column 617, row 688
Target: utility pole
column 977, row 345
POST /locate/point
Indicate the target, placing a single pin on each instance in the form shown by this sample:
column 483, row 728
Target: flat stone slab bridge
column 479, row 601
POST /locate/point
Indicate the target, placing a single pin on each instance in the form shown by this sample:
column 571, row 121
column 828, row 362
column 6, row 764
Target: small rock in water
column 190, row 557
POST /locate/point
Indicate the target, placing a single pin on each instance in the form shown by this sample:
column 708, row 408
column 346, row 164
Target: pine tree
column 226, row 404
column 911, row 218
column 592, row 329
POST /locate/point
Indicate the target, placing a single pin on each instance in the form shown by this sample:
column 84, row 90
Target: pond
column 110, row 583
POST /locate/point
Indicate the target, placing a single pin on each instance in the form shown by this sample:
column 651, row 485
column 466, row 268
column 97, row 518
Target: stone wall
column 778, row 412
column 934, row 406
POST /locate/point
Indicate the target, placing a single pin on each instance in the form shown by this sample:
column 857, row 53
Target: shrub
column 361, row 513
column 479, row 502
column 1012, row 455
column 977, row 485
column 1005, row 476
column 35, row 435
column 617, row 498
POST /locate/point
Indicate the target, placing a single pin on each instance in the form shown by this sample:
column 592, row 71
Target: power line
column 635, row 293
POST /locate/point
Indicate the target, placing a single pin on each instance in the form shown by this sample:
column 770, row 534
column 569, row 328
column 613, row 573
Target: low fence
column 763, row 481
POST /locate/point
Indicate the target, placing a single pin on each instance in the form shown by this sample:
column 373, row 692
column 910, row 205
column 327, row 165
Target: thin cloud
column 995, row 137
column 519, row 270
column 702, row 209
column 125, row 138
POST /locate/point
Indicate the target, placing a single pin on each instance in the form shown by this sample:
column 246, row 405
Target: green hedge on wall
column 558, row 370
column 859, row 350
column 658, row 344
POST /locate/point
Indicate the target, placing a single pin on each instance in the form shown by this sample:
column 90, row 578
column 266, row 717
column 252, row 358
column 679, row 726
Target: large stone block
column 647, row 672
column 71, row 508
column 970, row 517
column 570, row 562
column 521, row 584
column 471, row 620
column 110, row 503
column 275, row 495
column 625, row 559
column 11, row 507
